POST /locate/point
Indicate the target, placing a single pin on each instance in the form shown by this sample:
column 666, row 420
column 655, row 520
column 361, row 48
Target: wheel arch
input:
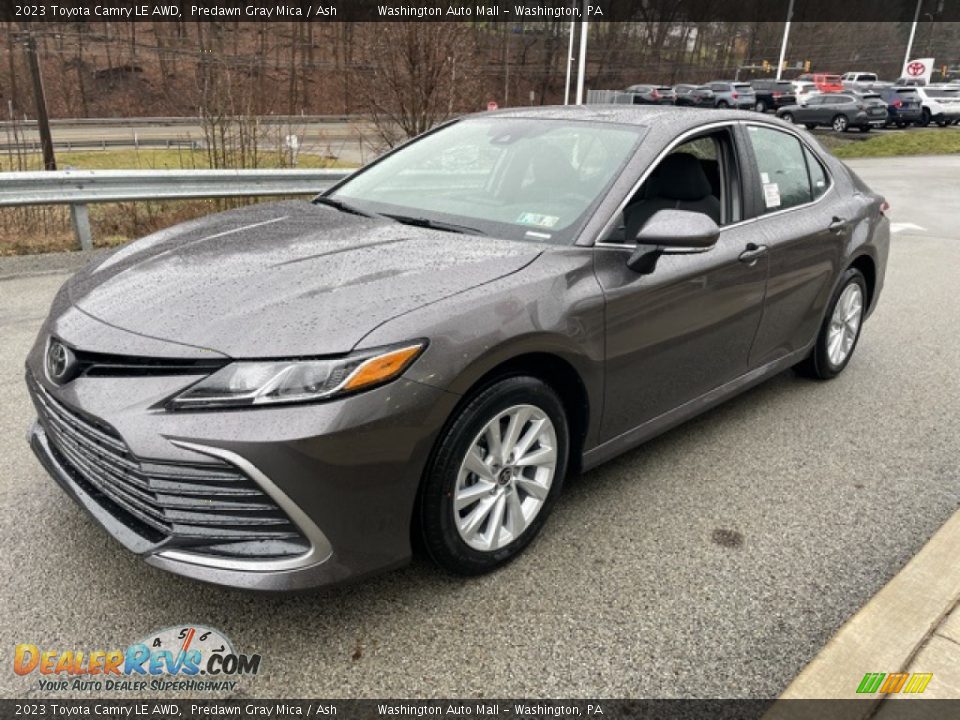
column 868, row 266
column 557, row 372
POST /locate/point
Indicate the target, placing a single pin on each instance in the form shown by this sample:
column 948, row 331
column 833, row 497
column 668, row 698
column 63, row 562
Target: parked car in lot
column 828, row 83
column 859, row 80
column 803, row 89
column 903, row 105
column 420, row 354
column 731, row 94
column 652, row 94
column 841, row 111
column 772, row 94
column 940, row 104
column 694, row 95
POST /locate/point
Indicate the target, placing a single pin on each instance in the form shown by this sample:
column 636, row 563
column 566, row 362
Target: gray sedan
column 292, row 394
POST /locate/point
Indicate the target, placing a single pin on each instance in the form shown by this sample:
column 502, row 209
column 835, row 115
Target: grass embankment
column 48, row 228
column 891, row 143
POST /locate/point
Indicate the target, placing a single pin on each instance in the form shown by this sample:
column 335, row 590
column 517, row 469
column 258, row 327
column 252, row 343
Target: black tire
column 924, row 118
column 901, row 125
column 817, row 364
column 440, row 536
column 864, row 128
column 760, row 107
column 942, row 122
column 723, row 104
column 840, row 123
column 810, row 126
column 787, row 117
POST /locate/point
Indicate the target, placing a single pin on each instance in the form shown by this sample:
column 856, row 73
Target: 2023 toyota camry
column 285, row 395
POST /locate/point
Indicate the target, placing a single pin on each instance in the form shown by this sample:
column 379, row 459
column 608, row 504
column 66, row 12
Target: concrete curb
column 889, row 631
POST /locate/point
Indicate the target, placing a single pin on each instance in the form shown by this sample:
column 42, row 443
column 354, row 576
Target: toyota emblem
column 60, row 362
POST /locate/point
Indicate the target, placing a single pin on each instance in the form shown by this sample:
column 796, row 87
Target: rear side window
column 782, row 168
column 819, row 181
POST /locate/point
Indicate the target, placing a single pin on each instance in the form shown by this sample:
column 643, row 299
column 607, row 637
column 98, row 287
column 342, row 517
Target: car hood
column 285, row 279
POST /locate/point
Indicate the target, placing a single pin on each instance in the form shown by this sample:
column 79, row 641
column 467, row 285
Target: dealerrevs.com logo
column 187, row 658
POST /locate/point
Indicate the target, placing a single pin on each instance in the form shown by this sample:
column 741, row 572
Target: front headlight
column 244, row 383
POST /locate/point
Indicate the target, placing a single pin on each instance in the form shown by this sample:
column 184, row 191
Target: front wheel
column 760, row 107
column 840, row 330
column 495, row 476
column 787, row 117
column 840, row 123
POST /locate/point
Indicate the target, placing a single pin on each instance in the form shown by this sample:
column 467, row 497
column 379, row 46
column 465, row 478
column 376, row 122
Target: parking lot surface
column 714, row 561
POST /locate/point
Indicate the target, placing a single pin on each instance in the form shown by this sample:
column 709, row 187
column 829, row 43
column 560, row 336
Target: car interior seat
column 679, row 183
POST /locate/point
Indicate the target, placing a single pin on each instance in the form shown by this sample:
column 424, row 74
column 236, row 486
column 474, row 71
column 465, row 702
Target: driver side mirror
column 672, row 232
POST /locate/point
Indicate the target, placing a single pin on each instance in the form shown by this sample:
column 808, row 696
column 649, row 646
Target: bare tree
column 418, row 73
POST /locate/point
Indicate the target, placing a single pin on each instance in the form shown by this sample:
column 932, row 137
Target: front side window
column 519, row 178
column 781, row 167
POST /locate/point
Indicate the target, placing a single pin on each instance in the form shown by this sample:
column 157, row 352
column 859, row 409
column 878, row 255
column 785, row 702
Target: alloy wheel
column 840, row 123
column 505, row 477
column 844, row 324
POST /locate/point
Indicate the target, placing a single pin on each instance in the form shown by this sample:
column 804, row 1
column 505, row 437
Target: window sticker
column 771, row 195
column 764, row 178
column 544, row 221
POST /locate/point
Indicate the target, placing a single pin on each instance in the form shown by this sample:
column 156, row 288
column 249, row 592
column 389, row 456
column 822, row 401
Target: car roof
column 681, row 118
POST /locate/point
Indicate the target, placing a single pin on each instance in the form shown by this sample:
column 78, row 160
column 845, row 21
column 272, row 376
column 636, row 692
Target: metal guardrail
column 78, row 188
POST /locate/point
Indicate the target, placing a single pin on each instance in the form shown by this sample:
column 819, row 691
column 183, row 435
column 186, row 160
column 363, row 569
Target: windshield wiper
column 434, row 224
column 341, row 206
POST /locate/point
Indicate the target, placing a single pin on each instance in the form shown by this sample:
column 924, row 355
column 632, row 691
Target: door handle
column 838, row 225
column 753, row 253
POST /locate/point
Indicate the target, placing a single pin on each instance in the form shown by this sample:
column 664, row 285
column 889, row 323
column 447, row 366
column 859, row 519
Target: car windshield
column 519, row 178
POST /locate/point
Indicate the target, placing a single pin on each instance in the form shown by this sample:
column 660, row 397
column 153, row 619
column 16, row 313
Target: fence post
column 81, row 225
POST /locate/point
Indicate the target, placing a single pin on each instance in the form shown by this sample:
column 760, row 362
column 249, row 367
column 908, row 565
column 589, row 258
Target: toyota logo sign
column 60, row 362
column 916, row 68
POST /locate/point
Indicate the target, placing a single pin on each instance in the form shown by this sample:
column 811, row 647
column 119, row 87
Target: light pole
column 566, row 88
column 913, row 32
column 786, row 36
column 582, row 60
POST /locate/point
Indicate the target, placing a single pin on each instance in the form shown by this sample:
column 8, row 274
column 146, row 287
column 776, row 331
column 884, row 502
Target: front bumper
column 345, row 472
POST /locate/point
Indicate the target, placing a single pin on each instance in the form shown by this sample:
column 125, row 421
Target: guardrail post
column 81, row 225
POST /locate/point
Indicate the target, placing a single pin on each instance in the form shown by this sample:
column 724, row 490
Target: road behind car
column 714, row 561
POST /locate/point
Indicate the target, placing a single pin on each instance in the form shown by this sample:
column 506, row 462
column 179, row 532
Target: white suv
column 941, row 104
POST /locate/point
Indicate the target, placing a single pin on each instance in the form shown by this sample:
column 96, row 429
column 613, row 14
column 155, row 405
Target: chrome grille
column 211, row 508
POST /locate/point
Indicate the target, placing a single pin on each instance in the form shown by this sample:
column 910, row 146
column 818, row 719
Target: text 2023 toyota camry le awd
column 285, row 395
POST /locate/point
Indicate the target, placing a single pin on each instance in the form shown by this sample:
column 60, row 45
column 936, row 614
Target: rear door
column 805, row 226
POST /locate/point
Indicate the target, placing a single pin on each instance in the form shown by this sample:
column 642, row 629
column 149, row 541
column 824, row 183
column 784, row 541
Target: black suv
column 772, row 94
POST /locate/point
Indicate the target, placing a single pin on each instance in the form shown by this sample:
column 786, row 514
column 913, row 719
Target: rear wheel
column 761, row 106
column 840, row 123
column 496, row 474
column 924, row 118
column 723, row 104
column 840, row 330
column 788, row 117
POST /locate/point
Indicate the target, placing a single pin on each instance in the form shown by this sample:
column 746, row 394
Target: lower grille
column 210, row 508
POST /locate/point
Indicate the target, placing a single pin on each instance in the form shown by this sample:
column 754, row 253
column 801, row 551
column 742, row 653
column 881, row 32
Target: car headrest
column 681, row 177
